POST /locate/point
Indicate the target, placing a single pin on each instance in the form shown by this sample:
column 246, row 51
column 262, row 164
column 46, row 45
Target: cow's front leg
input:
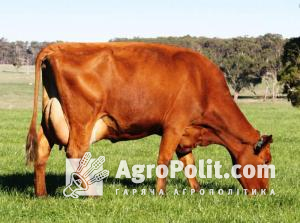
column 42, row 155
column 188, row 159
column 169, row 143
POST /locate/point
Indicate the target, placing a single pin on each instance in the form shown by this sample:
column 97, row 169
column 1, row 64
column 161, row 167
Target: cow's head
column 259, row 155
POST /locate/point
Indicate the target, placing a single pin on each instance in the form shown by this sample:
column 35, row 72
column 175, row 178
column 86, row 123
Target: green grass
column 17, row 202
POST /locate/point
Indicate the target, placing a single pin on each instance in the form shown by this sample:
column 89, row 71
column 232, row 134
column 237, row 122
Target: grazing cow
column 124, row 91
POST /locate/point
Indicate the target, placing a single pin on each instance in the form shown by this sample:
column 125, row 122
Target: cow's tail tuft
column 32, row 138
column 31, row 145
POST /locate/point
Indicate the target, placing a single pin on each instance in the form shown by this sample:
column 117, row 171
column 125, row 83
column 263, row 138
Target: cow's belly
column 108, row 128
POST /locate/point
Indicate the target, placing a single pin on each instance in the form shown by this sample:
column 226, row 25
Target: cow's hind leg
column 188, row 159
column 42, row 155
column 79, row 143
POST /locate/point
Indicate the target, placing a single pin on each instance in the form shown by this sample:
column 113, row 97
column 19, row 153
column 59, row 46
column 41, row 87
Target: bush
column 294, row 96
column 290, row 74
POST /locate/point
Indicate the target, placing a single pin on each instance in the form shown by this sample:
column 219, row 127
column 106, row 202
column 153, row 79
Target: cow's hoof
column 41, row 195
column 197, row 187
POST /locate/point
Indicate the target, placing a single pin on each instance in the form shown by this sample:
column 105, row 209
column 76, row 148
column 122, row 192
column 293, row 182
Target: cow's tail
column 32, row 138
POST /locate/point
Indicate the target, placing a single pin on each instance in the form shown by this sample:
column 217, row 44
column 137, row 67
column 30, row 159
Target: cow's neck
column 231, row 125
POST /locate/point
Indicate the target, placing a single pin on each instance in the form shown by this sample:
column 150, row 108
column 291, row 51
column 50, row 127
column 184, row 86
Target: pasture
column 18, row 204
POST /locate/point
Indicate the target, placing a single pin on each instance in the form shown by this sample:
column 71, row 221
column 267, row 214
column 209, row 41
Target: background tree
column 271, row 51
column 290, row 74
column 241, row 64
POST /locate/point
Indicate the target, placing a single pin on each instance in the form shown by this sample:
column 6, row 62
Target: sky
column 98, row 21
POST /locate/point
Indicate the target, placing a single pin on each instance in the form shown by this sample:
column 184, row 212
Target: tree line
column 19, row 53
column 245, row 61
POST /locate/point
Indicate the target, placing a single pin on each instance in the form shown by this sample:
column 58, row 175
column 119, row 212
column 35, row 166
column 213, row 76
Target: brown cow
column 123, row 91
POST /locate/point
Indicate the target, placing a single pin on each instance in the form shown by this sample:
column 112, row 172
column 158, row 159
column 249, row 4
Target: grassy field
column 17, row 203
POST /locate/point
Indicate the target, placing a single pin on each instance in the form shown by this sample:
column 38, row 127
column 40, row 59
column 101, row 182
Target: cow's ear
column 268, row 139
